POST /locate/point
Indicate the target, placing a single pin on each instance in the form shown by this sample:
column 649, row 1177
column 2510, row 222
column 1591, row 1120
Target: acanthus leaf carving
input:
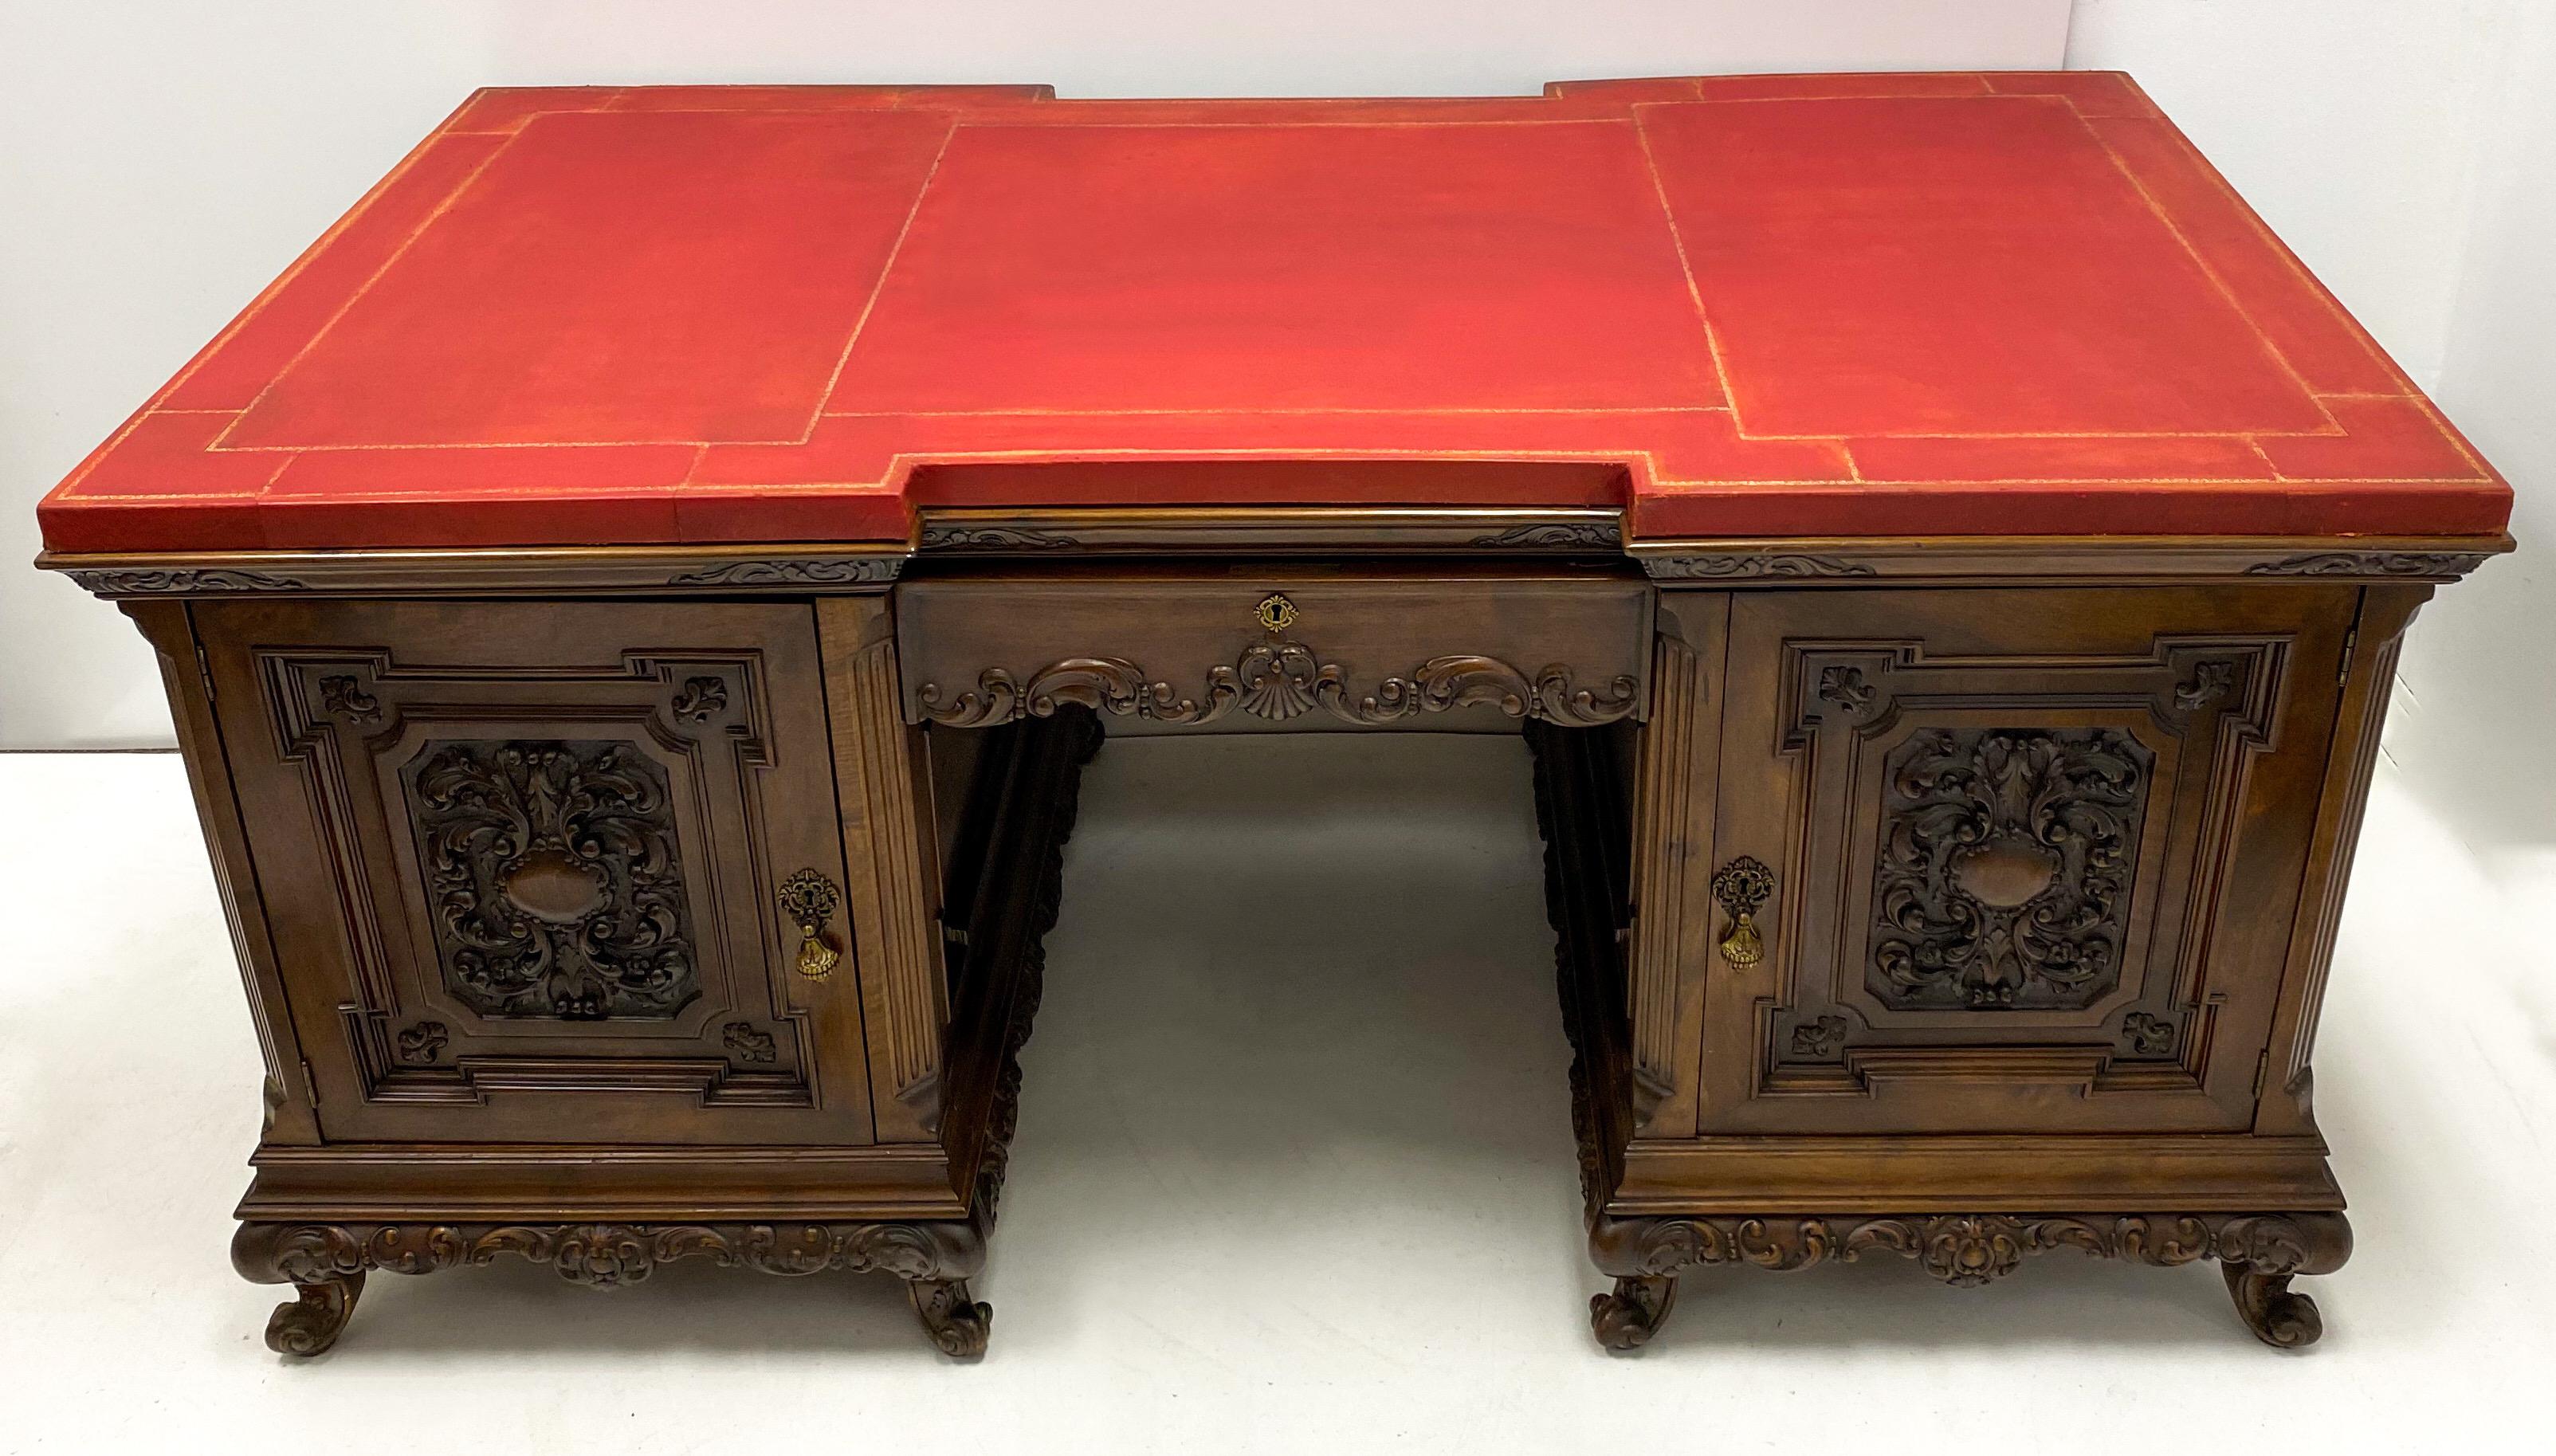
column 2005, row 864
column 1967, row 1249
column 554, row 881
column 326, row 1263
column 1277, row 679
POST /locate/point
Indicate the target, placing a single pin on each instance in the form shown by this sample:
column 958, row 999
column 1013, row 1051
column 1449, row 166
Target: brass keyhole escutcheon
column 1275, row 613
column 1744, row 887
column 810, row 899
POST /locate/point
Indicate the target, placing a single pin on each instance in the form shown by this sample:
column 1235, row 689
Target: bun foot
column 311, row 1322
column 956, row 1324
column 2278, row 1317
column 1626, row 1318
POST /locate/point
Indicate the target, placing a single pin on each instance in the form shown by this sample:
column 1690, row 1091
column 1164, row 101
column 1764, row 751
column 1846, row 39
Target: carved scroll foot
column 957, row 1323
column 1627, row 1317
column 2260, row 1255
column 2277, row 1317
column 311, row 1322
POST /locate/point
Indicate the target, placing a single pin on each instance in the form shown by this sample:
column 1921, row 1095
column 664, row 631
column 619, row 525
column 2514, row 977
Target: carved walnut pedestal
column 635, row 597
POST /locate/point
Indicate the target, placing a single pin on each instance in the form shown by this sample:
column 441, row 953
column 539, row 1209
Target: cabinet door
column 2027, row 859
column 524, row 862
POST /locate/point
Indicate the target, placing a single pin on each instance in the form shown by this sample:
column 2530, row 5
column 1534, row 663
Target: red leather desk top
column 1817, row 306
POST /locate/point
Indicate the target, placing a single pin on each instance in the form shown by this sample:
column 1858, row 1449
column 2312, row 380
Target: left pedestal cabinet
column 604, row 933
column 524, row 865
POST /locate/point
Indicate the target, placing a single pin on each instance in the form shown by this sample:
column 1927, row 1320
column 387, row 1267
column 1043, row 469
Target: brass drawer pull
column 1743, row 885
column 810, row 899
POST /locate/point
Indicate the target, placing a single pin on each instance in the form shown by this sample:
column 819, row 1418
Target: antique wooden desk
column 637, row 594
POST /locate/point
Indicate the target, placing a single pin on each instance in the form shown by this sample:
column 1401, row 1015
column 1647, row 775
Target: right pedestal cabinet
column 1963, row 925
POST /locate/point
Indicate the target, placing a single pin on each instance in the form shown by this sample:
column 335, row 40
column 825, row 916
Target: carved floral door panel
column 536, row 872
column 2006, row 859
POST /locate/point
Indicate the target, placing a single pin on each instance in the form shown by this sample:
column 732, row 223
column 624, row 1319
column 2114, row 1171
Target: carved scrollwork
column 807, row 571
column 328, row 1262
column 139, row 583
column 2005, row 865
column 1555, row 536
column 1723, row 566
column 1276, row 680
column 2260, row 1252
column 2371, row 563
column 1972, row 1248
column 992, row 539
column 556, row 885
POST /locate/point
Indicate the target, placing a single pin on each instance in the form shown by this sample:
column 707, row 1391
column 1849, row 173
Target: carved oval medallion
column 2006, row 871
column 554, row 880
column 550, row 886
column 2006, row 859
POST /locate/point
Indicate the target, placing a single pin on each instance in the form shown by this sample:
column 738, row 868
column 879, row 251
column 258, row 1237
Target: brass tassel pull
column 810, row 899
column 1743, row 885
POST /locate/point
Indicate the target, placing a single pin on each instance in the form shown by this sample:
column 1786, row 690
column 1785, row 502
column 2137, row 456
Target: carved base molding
column 2259, row 1252
column 326, row 1263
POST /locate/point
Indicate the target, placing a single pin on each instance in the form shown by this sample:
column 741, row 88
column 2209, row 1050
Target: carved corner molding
column 1278, row 679
column 326, row 1263
column 2258, row 1252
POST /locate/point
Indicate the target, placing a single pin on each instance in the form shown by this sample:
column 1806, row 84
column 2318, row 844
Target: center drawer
column 1281, row 646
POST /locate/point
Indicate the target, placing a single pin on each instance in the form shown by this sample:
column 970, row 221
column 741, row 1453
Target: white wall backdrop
column 160, row 162
column 2406, row 151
